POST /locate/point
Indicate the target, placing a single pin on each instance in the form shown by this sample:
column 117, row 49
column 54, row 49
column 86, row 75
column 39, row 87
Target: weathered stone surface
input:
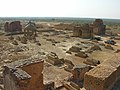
column 63, row 26
column 18, row 38
column 117, row 51
column 104, row 76
column 92, row 62
column 78, row 71
column 53, row 59
column 69, row 52
column 108, row 46
column 23, row 75
column 23, row 40
column 81, row 54
column 13, row 26
column 14, row 42
column 75, row 49
column 98, row 27
column 30, row 30
column 100, row 78
column 11, row 38
column 38, row 43
column 69, row 66
column 83, row 31
column 93, row 48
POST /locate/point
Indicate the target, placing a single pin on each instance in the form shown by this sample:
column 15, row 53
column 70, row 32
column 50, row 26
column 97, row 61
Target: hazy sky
column 60, row 8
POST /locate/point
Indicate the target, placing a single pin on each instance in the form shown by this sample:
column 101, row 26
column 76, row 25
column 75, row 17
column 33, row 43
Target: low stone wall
column 104, row 76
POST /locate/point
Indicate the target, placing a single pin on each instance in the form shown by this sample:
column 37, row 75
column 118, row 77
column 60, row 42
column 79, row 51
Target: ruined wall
column 23, row 75
column 36, row 82
column 87, row 31
column 77, row 31
column 9, row 83
column 104, row 76
column 83, row 31
column 13, row 26
column 63, row 26
column 98, row 27
column 78, row 73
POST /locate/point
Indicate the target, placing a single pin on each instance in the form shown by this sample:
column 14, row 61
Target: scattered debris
column 14, row 42
column 108, row 46
column 92, row 62
column 81, row 54
column 75, row 49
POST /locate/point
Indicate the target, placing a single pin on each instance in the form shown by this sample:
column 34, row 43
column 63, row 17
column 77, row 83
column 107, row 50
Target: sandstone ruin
column 73, row 60
column 30, row 30
column 13, row 26
column 104, row 76
column 98, row 27
column 24, row 75
column 83, row 31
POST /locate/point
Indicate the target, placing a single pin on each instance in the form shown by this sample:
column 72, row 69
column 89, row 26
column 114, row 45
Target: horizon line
column 57, row 17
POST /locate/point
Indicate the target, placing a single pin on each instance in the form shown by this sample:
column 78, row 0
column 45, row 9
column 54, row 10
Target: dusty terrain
column 57, row 41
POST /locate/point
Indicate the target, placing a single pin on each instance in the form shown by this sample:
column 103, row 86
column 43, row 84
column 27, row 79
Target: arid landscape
column 59, row 54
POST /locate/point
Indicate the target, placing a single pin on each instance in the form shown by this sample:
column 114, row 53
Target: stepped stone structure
column 98, row 27
column 13, row 26
column 83, row 31
column 24, row 75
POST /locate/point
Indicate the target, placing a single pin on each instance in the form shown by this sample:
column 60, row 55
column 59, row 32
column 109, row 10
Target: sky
column 60, row 8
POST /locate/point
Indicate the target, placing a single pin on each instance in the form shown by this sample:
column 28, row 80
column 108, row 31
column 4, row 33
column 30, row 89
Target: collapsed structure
column 83, row 31
column 104, row 76
column 13, row 26
column 63, row 26
column 30, row 29
column 98, row 27
column 87, row 30
column 24, row 75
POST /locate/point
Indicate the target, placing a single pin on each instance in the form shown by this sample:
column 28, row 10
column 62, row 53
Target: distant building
column 24, row 75
column 98, row 27
column 13, row 26
column 83, row 31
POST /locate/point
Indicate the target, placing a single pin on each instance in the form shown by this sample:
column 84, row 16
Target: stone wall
column 24, row 75
column 104, row 76
column 79, row 71
column 13, row 26
column 83, row 31
column 63, row 26
column 77, row 31
column 35, row 71
column 98, row 27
